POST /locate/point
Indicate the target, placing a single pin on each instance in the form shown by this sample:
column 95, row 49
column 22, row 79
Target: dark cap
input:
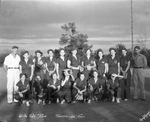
column 123, row 48
column 136, row 47
column 25, row 52
column 50, row 50
column 99, row 50
column 38, row 51
column 15, row 47
column 112, row 49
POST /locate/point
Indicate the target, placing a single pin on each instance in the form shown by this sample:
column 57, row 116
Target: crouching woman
column 52, row 89
column 95, row 87
column 113, row 87
column 65, row 92
column 23, row 93
column 80, row 88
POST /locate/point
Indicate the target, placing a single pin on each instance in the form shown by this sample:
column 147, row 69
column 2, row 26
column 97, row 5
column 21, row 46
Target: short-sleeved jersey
column 39, row 64
column 56, row 84
column 26, row 67
column 62, row 63
column 10, row 61
column 50, row 63
column 100, row 64
column 113, row 65
column 74, row 61
column 140, row 61
column 21, row 86
column 67, row 84
column 96, row 84
column 81, row 84
column 87, row 61
column 124, row 62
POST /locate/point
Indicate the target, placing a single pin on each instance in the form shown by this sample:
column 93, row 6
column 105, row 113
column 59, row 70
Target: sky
column 105, row 22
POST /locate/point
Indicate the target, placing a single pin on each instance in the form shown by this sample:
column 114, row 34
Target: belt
column 138, row 67
column 13, row 67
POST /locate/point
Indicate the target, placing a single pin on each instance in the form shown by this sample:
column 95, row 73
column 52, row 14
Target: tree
column 72, row 38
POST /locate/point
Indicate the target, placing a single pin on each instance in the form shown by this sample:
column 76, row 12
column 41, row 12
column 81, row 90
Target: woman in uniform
column 101, row 63
column 23, row 93
column 52, row 89
column 73, row 62
column 88, row 63
column 50, row 64
column 125, row 71
column 65, row 92
column 95, row 87
column 61, row 64
column 80, row 88
column 113, row 62
column 27, row 67
column 39, row 64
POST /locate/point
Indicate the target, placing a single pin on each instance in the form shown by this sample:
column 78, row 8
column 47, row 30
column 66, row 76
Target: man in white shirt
column 11, row 66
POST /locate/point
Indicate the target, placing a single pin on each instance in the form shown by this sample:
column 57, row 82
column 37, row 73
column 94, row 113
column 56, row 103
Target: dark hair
column 25, row 52
column 38, row 51
column 15, row 47
column 23, row 74
column 136, row 47
column 49, row 51
column 87, row 50
column 112, row 49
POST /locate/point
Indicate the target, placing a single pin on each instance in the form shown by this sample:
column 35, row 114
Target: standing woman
column 50, row 64
column 39, row 63
column 61, row 64
column 88, row 62
column 74, row 62
column 101, row 63
column 27, row 66
column 113, row 62
column 125, row 71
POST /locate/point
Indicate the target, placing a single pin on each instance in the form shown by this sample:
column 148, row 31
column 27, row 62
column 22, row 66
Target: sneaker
column 49, row 102
column 15, row 100
column 73, row 102
column 113, row 99
column 118, row 100
column 39, row 101
column 44, row 102
column 24, row 101
column 125, row 99
column 27, row 103
column 57, row 100
column 89, row 101
column 62, row 102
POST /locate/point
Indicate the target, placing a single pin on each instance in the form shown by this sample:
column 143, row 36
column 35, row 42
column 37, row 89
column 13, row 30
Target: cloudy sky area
column 106, row 22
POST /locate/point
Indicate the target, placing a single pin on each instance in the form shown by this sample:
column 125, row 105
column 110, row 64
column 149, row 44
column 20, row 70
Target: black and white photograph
column 74, row 60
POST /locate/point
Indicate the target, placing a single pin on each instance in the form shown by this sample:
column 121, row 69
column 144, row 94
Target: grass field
column 130, row 111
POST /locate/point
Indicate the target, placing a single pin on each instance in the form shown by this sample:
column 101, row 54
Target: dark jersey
column 21, row 86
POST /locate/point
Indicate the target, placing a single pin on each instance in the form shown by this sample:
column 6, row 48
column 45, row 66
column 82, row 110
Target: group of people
column 73, row 78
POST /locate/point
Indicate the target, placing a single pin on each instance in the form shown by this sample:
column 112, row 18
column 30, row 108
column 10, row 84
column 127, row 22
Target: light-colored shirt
column 11, row 61
column 140, row 61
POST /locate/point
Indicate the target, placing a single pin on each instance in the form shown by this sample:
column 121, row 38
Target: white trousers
column 12, row 80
